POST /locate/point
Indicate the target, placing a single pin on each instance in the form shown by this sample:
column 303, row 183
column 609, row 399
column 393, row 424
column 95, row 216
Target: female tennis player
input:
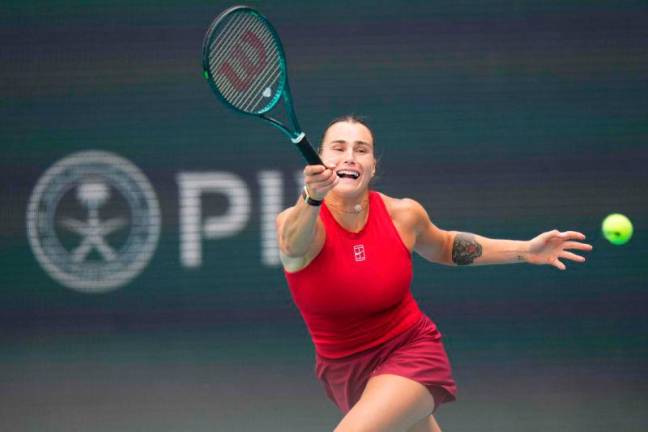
column 346, row 251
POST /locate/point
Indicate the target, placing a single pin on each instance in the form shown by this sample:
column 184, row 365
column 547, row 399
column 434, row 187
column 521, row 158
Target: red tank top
column 356, row 293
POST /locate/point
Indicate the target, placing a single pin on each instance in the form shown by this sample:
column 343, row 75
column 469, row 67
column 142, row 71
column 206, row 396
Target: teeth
column 344, row 173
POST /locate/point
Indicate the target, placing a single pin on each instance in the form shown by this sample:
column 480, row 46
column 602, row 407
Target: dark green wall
column 502, row 118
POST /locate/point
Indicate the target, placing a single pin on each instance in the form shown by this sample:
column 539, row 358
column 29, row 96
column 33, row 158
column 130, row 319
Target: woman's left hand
column 549, row 247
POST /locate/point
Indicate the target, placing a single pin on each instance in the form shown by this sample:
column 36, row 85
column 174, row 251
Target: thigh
column 389, row 403
column 423, row 359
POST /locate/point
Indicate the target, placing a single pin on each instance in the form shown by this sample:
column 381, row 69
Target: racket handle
column 307, row 151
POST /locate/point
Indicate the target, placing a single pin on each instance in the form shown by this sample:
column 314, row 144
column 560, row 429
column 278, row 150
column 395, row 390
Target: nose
column 349, row 157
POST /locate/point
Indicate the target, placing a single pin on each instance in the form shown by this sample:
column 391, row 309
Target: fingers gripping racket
column 245, row 65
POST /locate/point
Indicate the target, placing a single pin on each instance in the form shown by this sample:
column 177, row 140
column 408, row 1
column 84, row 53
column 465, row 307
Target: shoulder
column 407, row 212
column 401, row 206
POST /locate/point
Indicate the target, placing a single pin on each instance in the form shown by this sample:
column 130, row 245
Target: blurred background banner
column 140, row 285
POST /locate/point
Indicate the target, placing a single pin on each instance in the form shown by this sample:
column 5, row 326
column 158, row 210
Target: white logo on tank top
column 359, row 252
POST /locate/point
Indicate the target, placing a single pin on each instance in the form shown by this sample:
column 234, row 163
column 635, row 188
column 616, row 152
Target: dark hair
column 349, row 118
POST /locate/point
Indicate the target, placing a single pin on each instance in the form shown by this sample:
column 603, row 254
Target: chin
column 349, row 189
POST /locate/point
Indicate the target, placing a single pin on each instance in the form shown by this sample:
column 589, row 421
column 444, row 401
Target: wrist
column 309, row 199
column 524, row 251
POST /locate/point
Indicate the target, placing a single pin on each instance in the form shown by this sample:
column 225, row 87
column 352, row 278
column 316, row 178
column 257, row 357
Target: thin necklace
column 357, row 209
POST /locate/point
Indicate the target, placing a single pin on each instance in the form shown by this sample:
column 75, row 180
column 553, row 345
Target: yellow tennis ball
column 617, row 229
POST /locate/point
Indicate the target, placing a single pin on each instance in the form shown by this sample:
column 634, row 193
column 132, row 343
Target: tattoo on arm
column 465, row 249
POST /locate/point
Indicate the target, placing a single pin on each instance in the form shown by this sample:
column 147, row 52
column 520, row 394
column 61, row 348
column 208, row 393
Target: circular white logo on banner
column 93, row 221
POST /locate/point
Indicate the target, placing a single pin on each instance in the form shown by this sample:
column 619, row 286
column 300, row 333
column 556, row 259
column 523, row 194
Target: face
column 349, row 146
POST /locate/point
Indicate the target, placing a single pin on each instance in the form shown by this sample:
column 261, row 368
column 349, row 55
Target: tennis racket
column 245, row 65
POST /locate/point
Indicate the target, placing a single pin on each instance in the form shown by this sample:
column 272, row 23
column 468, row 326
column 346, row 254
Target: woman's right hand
column 320, row 180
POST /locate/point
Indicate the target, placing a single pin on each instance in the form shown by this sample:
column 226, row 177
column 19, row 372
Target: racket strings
column 263, row 91
column 224, row 39
column 253, row 93
column 224, row 43
column 264, row 87
column 245, row 63
column 222, row 50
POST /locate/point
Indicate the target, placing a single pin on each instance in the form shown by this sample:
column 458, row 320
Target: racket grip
column 308, row 152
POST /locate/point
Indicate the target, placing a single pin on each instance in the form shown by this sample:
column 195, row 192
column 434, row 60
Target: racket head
column 244, row 61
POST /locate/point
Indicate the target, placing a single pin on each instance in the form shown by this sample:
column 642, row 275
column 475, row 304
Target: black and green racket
column 245, row 65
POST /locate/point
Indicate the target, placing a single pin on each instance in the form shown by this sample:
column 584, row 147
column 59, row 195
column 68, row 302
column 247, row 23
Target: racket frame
column 296, row 135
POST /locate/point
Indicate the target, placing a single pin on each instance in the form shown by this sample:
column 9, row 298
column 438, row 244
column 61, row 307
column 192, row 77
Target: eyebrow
column 341, row 141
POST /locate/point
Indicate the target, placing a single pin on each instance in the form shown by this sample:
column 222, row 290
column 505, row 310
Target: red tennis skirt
column 417, row 354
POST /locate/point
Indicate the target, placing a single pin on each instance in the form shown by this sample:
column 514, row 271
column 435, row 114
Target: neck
column 350, row 214
column 348, row 205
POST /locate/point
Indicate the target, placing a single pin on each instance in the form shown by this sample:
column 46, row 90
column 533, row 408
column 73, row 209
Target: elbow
column 284, row 245
column 448, row 249
column 291, row 252
column 286, row 250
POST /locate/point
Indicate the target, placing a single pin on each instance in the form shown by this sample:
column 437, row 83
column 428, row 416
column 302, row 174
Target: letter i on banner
column 271, row 184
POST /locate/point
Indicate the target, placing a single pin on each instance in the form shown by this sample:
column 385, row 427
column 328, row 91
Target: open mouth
column 348, row 174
